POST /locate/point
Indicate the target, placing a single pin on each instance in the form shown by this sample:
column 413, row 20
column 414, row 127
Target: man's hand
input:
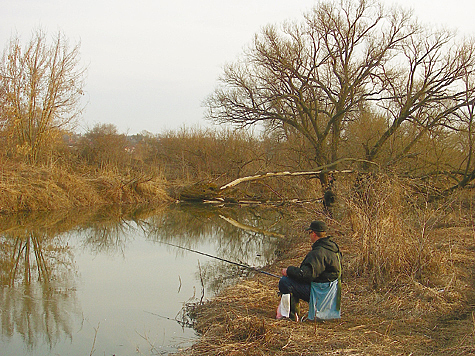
column 284, row 272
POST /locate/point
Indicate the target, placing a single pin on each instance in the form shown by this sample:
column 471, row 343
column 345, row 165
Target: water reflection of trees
column 107, row 230
column 193, row 225
column 37, row 272
column 246, row 235
column 37, row 292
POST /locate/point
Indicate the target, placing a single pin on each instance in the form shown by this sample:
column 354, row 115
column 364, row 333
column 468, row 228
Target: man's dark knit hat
column 317, row 226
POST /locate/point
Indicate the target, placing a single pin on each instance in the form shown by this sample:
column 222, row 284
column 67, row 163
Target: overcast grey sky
column 151, row 63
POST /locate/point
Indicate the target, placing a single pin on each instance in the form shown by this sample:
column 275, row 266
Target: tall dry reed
column 393, row 226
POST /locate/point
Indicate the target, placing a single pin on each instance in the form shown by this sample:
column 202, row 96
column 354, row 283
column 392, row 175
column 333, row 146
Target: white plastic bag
column 283, row 310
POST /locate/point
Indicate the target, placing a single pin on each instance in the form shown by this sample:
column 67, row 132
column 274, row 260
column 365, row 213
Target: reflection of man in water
column 322, row 264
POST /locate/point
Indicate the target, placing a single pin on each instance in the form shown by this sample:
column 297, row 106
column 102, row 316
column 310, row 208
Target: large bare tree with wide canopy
column 345, row 60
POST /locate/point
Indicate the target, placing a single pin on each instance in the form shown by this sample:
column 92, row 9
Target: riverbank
column 424, row 307
column 35, row 188
column 405, row 317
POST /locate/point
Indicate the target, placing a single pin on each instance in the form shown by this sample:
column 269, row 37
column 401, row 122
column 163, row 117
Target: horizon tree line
column 351, row 80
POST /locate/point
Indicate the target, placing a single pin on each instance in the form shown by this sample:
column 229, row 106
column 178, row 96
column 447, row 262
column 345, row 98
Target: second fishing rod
column 222, row 259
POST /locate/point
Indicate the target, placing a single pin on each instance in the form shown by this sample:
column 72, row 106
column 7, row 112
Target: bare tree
column 104, row 146
column 40, row 90
column 347, row 60
column 424, row 87
column 461, row 166
column 312, row 77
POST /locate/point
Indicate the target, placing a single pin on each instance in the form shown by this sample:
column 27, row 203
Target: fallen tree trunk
column 277, row 174
column 210, row 192
column 321, row 169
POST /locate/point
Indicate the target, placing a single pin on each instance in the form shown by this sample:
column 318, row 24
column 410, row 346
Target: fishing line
column 222, row 259
column 182, row 323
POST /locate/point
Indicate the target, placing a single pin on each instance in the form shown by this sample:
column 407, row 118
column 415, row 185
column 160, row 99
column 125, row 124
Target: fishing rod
column 222, row 259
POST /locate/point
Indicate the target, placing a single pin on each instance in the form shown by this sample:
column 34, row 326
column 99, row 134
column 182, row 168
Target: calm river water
column 109, row 282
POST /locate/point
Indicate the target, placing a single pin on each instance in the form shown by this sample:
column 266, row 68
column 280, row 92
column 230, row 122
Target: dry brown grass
column 394, row 226
column 403, row 319
column 408, row 286
column 33, row 188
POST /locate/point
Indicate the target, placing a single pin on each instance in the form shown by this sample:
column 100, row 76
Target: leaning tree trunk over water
column 278, row 174
column 210, row 192
column 318, row 173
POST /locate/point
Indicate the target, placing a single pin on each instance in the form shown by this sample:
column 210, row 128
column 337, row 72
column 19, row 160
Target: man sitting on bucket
column 317, row 280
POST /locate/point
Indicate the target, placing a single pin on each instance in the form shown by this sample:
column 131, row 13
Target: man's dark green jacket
column 322, row 264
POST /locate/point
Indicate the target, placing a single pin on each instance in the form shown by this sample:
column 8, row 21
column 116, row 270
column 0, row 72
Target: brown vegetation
column 104, row 166
column 400, row 113
column 354, row 78
column 32, row 188
column 41, row 86
column 408, row 284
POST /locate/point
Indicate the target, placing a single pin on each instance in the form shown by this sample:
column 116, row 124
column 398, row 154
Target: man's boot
column 294, row 308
